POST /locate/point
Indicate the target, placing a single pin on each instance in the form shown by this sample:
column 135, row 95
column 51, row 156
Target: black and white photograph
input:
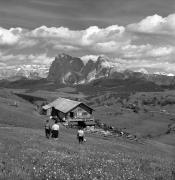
column 87, row 89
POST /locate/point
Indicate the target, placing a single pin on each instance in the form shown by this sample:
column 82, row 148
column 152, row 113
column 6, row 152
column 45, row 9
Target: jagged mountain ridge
column 70, row 70
column 66, row 69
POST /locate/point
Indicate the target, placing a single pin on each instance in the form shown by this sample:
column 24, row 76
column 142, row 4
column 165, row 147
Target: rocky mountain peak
column 103, row 61
column 72, row 70
column 63, row 56
column 103, row 58
column 67, row 69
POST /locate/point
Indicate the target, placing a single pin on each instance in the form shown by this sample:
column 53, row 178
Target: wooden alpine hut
column 70, row 111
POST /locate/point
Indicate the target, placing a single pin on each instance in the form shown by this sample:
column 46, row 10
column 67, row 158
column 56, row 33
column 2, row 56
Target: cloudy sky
column 134, row 33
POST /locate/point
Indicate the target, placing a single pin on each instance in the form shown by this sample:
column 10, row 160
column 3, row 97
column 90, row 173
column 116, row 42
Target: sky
column 135, row 34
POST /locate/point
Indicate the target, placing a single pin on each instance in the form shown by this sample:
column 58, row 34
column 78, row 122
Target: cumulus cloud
column 8, row 37
column 39, row 59
column 26, row 43
column 134, row 44
column 25, row 59
column 2, row 65
column 146, row 51
column 65, row 47
column 134, row 51
column 160, row 51
column 59, row 38
column 155, row 24
column 94, row 34
column 144, row 64
column 89, row 38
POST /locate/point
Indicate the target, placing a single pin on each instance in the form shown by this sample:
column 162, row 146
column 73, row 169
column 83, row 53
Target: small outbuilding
column 70, row 111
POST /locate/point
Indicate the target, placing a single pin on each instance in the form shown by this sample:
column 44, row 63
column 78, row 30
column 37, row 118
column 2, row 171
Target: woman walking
column 55, row 130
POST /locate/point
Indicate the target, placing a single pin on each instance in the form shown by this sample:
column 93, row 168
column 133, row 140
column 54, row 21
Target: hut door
column 54, row 112
column 72, row 115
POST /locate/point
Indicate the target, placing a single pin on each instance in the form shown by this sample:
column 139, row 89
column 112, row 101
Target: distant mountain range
column 13, row 73
column 69, row 70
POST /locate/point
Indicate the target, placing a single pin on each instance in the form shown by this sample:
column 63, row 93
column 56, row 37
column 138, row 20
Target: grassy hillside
column 145, row 114
column 18, row 112
column 27, row 154
column 142, row 124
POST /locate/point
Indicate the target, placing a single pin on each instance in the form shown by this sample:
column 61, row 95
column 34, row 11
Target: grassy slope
column 23, row 115
column 26, row 154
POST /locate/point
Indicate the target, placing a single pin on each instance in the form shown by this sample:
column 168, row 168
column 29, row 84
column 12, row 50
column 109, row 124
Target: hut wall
column 60, row 115
column 47, row 112
column 57, row 113
column 80, row 112
column 54, row 112
column 86, row 108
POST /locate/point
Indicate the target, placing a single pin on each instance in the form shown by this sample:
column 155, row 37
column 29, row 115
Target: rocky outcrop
column 66, row 69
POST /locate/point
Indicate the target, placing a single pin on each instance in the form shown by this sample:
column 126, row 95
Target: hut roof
column 64, row 105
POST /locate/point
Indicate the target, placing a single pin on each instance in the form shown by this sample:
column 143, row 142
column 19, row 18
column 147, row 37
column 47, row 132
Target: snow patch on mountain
column 86, row 58
column 142, row 70
column 164, row 74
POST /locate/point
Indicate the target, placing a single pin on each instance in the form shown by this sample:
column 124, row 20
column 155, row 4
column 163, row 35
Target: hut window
column 84, row 113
